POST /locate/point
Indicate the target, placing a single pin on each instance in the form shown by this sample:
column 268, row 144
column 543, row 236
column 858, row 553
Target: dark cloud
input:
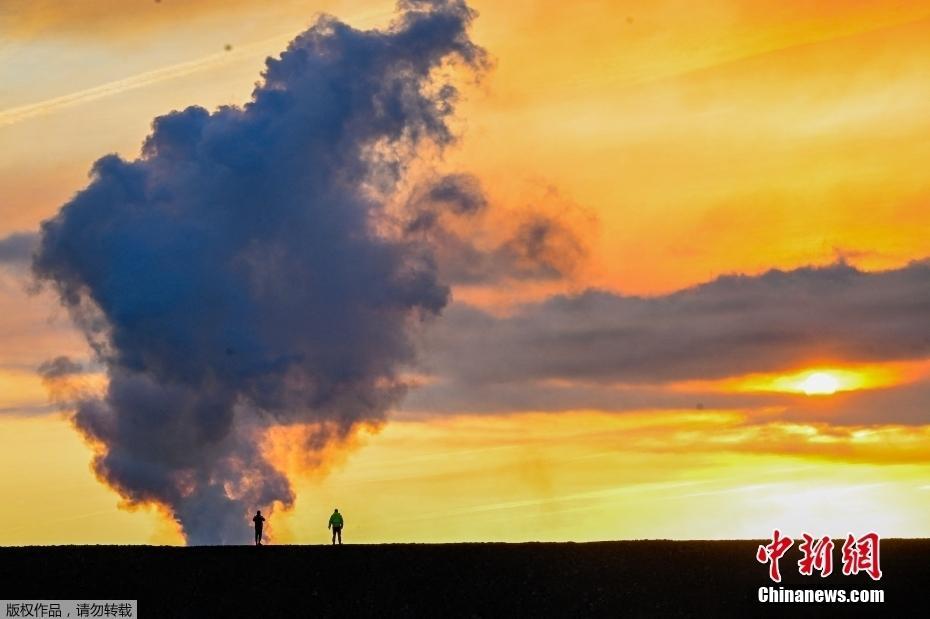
column 731, row 326
column 448, row 214
column 59, row 367
column 451, row 396
column 906, row 404
column 16, row 249
column 456, row 194
column 235, row 276
column 540, row 248
column 62, row 377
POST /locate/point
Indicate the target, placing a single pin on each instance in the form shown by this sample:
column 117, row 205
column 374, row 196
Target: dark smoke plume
column 234, row 276
column 16, row 249
column 447, row 215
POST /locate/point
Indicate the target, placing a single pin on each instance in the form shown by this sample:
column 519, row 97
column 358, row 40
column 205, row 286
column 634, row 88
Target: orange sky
column 679, row 143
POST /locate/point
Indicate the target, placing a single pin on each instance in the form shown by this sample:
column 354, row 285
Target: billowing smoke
column 447, row 214
column 236, row 276
column 16, row 249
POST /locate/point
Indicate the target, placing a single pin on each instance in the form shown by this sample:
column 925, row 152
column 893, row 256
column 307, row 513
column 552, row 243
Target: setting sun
column 815, row 379
column 820, row 383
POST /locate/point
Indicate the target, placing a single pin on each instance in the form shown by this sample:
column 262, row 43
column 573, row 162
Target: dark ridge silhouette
column 635, row 578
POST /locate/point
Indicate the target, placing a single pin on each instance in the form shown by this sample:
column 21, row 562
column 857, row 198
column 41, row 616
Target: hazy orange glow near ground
column 682, row 140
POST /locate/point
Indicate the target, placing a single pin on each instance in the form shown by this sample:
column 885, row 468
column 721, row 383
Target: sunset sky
column 724, row 331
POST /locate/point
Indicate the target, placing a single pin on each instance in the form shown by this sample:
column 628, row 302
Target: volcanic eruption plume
column 236, row 276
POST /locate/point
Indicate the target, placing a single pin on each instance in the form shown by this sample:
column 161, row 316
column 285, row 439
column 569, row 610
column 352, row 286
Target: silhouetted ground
column 639, row 578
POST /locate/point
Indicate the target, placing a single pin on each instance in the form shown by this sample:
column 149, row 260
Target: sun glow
column 816, row 380
column 820, row 383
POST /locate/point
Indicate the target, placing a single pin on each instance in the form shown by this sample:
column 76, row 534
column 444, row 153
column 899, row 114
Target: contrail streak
column 20, row 113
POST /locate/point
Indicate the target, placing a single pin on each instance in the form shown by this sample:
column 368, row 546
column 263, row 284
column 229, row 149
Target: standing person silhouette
column 259, row 521
column 335, row 523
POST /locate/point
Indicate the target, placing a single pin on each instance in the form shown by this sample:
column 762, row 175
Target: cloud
column 234, row 277
column 446, row 396
column 734, row 325
column 904, row 404
column 874, row 444
column 59, row 367
column 451, row 214
column 16, row 249
column 457, row 194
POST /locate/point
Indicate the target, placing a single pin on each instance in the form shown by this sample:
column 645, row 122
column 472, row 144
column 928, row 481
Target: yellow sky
column 574, row 476
column 682, row 142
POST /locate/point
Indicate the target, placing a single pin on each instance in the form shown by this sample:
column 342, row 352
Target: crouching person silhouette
column 335, row 523
column 259, row 521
